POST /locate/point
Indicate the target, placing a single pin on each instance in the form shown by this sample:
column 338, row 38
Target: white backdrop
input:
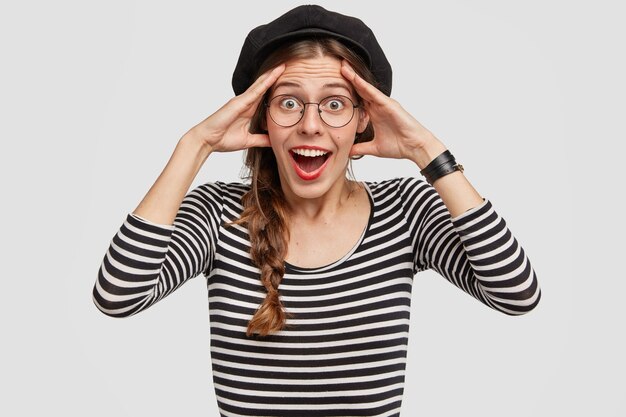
column 529, row 96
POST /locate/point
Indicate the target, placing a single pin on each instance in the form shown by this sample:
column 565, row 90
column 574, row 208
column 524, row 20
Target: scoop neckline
column 294, row 268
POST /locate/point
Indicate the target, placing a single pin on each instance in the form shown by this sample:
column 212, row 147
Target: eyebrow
column 286, row 84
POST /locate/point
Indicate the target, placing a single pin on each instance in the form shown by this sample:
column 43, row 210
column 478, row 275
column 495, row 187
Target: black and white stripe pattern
column 344, row 350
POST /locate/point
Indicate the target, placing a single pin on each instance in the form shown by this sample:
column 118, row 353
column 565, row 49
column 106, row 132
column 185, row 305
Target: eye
column 289, row 103
column 334, row 104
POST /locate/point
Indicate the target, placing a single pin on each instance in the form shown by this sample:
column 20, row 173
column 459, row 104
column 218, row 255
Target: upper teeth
column 309, row 152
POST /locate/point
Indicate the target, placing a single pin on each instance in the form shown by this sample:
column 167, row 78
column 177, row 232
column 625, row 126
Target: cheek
column 345, row 138
column 343, row 142
column 277, row 139
column 275, row 132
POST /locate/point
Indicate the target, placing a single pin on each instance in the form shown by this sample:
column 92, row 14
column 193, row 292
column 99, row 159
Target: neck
column 321, row 207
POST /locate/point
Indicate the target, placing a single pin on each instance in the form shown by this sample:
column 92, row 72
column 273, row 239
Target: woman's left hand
column 397, row 134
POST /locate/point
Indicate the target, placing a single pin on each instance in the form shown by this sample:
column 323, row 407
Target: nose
column 311, row 121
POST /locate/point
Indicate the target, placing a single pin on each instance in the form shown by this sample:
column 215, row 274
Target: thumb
column 365, row 148
column 258, row 140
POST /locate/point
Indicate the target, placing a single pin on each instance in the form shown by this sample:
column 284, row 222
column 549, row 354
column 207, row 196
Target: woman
column 309, row 273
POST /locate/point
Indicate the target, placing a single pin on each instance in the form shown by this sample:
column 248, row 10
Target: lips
column 309, row 162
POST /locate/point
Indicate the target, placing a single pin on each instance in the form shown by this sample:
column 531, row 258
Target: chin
column 308, row 190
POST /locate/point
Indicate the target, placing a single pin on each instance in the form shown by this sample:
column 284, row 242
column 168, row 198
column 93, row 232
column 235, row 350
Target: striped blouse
column 343, row 351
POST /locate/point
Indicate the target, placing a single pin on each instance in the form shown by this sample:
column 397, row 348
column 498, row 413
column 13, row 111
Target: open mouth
column 308, row 162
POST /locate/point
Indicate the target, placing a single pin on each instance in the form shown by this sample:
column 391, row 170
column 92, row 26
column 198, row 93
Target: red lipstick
column 307, row 165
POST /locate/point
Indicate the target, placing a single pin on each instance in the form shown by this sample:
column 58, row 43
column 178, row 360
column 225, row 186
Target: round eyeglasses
column 335, row 111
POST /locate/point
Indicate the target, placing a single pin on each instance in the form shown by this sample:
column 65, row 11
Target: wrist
column 427, row 152
column 441, row 166
column 195, row 143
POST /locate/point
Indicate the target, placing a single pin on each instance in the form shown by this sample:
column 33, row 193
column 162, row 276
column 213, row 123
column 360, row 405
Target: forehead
column 311, row 75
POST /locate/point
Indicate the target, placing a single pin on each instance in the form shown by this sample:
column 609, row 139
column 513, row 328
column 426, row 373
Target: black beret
column 306, row 22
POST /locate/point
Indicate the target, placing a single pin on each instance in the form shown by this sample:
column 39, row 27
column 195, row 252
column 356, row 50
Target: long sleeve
column 475, row 250
column 145, row 261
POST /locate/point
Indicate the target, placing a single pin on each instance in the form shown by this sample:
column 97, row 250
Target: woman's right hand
column 227, row 129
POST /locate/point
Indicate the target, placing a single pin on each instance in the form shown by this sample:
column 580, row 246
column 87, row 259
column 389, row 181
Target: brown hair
column 265, row 210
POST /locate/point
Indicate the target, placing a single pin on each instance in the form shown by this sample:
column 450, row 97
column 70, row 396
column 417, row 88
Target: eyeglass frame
column 319, row 111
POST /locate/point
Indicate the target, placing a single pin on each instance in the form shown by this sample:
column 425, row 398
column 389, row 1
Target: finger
column 248, row 102
column 366, row 90
column 365, row 148
column 256, row 91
